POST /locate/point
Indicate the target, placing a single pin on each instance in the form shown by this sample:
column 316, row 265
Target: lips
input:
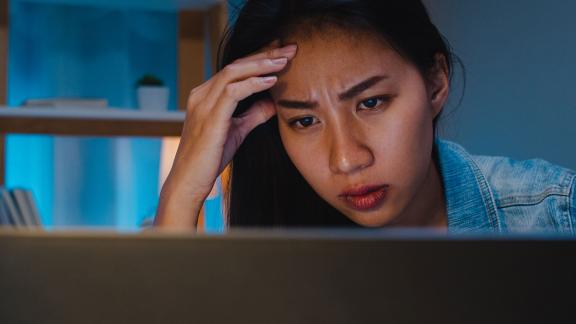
column 365, row 198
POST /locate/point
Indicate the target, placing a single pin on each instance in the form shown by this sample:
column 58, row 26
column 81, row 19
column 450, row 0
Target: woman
column 328, row 110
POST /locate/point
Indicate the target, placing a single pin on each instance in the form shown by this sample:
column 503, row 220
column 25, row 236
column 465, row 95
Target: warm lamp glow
column 167, row 155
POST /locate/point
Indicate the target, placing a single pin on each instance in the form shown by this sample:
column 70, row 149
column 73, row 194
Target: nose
column 348, row 153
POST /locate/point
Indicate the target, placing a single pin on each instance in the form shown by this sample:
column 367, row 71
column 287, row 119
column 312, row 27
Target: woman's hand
column 211, row 136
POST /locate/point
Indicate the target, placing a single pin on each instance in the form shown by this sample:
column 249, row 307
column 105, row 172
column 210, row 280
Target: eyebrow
column 346, row 95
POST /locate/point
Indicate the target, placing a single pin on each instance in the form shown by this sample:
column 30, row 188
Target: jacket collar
column 469, row 200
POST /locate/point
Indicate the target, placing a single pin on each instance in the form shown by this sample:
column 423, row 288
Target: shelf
column 162, row 5
column 90, row 122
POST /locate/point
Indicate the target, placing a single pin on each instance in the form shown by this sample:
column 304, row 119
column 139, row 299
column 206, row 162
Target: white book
column 21, row 203
column 67, row 102
column 13, row 212
column 33, row 208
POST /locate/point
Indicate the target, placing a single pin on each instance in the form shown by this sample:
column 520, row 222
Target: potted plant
column 152, row 94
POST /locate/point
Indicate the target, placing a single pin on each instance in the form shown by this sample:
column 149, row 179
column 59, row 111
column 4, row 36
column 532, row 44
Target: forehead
column 336, row 59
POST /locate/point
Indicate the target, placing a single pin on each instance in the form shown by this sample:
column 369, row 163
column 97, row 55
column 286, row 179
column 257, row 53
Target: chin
column 373, row 220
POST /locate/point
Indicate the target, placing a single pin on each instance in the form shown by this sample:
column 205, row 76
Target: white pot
column 153, row 98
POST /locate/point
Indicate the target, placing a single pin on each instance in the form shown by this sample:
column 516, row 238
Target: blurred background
column 518, row 98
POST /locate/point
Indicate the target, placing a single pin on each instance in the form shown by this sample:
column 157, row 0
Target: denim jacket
column 498, row 194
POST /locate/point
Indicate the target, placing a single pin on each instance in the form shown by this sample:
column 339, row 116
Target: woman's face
column 356, row 119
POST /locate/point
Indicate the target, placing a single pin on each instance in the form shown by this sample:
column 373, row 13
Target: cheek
column 307, row 155
column 402, row 137
column 295, row 150
column 410, row 140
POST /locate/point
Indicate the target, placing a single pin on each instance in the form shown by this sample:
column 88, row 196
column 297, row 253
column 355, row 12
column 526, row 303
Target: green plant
column 149, row 80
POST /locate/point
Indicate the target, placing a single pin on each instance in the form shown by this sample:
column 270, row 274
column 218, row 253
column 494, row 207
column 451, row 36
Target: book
column 4, row 216
column 22, row 203
column 13, row 213
column 67, row 103
column 33, row 208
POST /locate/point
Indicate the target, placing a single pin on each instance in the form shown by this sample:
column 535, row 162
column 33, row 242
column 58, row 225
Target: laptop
column 285, row 276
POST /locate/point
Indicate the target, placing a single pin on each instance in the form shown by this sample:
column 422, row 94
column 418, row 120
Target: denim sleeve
column 573, row 205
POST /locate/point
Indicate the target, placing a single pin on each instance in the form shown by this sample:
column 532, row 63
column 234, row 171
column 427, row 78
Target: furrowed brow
column 360, row 87
column 346, row 95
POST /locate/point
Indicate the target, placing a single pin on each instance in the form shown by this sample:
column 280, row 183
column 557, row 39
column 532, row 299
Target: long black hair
column 266, row 189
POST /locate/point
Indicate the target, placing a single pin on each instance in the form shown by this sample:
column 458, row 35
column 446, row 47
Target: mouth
column 365, row 198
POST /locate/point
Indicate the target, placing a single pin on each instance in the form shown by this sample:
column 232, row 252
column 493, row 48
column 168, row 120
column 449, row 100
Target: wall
column 61, row 50
column 520, row 97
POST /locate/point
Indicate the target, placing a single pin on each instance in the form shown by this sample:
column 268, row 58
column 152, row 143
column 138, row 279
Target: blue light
column 71, row 51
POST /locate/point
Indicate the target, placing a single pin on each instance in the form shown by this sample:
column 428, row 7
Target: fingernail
column 289, row 48
column 280, row 61
column 269, row 79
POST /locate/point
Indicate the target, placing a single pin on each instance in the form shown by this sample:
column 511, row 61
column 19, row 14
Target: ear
column 438, row 84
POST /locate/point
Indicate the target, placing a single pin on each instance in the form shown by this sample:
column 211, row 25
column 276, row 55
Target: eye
column 303, row 122
column 373, row 103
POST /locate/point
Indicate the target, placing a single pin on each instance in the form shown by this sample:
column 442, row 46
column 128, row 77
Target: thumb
column 257, row 114
column 260, row 112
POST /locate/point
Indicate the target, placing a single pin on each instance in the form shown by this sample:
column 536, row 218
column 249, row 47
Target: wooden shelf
column 201, row 24
column 90, row 122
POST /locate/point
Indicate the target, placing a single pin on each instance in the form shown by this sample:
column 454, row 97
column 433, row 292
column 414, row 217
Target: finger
column 271, row 51
column 213, row 87
column 259, row 113
column 258, row 64
column 275, row 44
column 245, row 69
column 238, row 72
column 237, row 91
